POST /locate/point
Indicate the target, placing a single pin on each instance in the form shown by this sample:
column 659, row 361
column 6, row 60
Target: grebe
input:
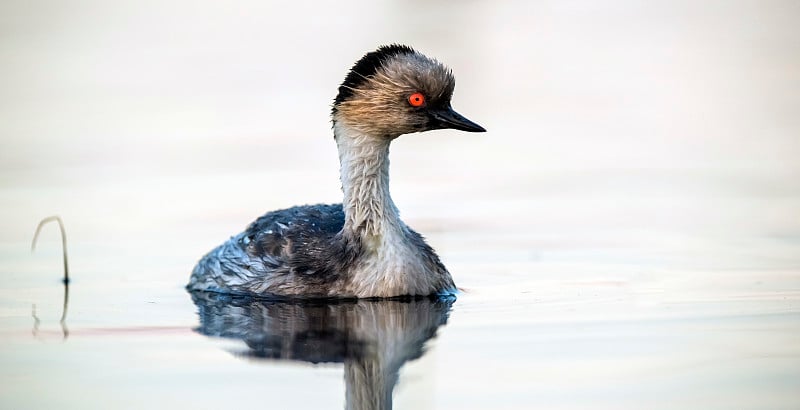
column 360, row 248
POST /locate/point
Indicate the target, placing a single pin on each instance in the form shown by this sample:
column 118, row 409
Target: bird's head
column 396, row 90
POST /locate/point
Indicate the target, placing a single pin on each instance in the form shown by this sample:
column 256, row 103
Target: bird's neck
column 364, row 159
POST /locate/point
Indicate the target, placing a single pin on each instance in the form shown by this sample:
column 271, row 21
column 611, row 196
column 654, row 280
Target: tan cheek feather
column 369, row 113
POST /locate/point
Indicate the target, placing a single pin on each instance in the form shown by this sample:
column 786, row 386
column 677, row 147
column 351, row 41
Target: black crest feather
column 366, row 67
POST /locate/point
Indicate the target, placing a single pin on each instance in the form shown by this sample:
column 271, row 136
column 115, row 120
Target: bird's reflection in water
column 372, row 338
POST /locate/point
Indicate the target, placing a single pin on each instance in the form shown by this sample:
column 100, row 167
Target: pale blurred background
column 641, row 163
column 132, row 118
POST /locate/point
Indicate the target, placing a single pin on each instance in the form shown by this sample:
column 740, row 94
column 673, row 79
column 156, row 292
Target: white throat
column 391, row 263
column 368, row 207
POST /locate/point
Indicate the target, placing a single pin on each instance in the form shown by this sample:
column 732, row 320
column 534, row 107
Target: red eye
column 416, row 99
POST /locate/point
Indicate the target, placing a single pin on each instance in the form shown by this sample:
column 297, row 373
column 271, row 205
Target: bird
column 359, row 249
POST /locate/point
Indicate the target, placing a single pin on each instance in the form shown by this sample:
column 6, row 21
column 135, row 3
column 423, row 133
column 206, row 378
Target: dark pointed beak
column 447, row 118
